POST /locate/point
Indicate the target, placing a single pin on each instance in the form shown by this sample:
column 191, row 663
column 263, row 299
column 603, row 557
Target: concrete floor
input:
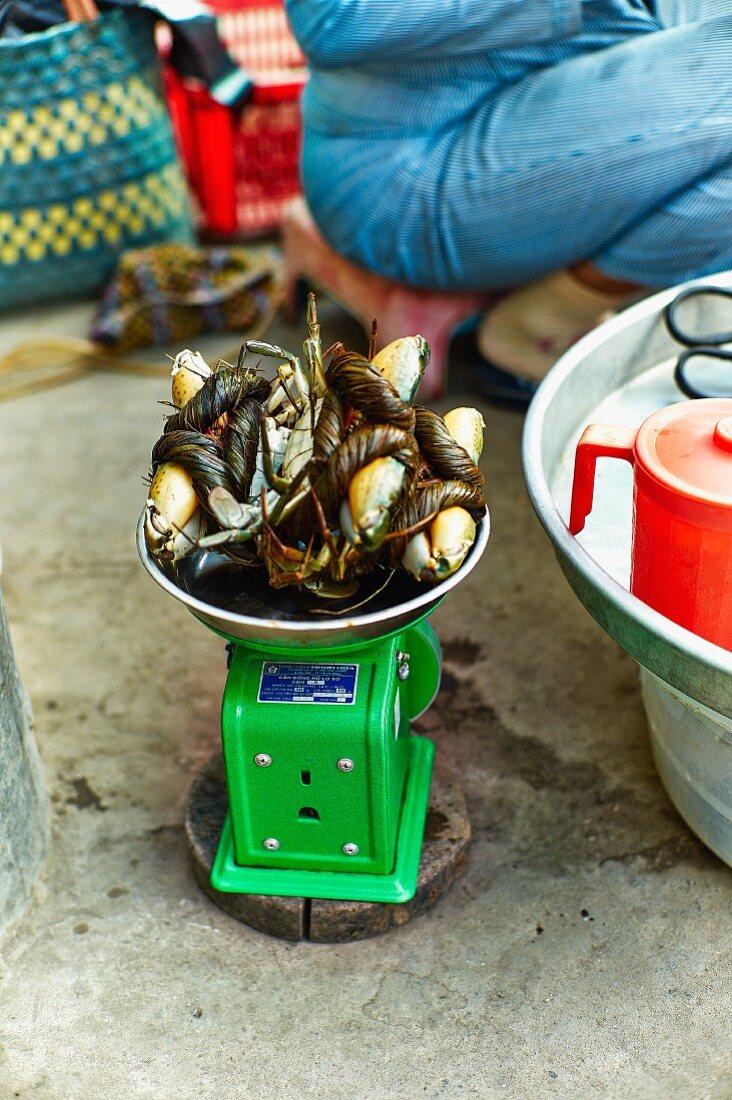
column 586, row 953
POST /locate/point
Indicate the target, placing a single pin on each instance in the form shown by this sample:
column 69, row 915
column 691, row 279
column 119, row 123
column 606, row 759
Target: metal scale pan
column 238, row 603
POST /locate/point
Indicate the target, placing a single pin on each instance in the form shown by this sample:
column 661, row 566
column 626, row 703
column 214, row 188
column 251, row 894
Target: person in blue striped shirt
column 567, row 153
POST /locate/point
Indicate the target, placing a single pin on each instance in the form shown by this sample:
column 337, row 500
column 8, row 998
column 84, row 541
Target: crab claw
column 466, row 427
column 403, row 362
column 190, row 370
column 371, row 495
column 226, row 509
column 171, row 504
column 435, row 555
column 327, row 589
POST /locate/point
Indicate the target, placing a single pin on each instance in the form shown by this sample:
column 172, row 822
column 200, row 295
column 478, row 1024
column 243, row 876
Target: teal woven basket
column 88, row 167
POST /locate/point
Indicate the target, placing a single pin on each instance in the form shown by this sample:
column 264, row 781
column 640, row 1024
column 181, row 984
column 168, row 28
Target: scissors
column 707, row 346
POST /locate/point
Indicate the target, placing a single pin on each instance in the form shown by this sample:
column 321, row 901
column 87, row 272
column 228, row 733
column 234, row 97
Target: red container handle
column 598, row 441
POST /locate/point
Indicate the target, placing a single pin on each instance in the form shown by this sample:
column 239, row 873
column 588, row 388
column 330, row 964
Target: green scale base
column 398, row 886
column 328, row 788
column 445, row 848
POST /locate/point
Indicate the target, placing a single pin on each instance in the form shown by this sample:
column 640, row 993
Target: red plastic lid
column 688, row 448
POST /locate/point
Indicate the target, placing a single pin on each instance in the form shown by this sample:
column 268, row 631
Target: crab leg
column 313, row 351
column 277, row 438
column 280, row 392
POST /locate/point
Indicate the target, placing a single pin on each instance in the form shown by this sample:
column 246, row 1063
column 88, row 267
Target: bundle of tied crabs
column 320, row 476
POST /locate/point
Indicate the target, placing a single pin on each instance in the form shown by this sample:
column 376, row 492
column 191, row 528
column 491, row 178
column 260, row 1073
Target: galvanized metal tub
column 692, row 747
column 620, row 373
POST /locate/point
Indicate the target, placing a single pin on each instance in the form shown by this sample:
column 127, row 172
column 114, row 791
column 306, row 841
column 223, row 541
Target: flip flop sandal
column 496, row 385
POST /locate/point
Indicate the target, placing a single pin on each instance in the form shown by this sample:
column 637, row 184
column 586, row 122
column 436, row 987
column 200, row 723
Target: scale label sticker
column 300, row 683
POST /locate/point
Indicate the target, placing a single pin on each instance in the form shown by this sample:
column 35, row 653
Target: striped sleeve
column 334, row 33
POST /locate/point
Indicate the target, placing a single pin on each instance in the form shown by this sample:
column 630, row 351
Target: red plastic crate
column 243, row 165
column 257, row 34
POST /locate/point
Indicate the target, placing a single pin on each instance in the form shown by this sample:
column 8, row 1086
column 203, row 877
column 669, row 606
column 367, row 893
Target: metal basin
column 239, row 603
column 621, row 373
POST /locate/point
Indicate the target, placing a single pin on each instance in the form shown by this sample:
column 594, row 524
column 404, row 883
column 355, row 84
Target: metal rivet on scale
column 271, row 844
column 345, row 765
column 402, row 665
column 350, row 849
column 262, row 760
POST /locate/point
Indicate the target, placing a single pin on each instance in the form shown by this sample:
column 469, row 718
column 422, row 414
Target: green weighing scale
column 327, row 786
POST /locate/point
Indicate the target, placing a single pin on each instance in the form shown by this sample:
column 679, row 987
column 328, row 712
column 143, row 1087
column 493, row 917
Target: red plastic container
column 243, row 166
column 681, row 559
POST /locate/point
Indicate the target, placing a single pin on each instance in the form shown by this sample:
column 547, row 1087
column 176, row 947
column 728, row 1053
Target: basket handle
column 81, row 11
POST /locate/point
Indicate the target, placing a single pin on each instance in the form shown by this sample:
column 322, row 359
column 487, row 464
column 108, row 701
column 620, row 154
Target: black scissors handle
column 680, row 378
column 708, row 340
column 707, row 346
